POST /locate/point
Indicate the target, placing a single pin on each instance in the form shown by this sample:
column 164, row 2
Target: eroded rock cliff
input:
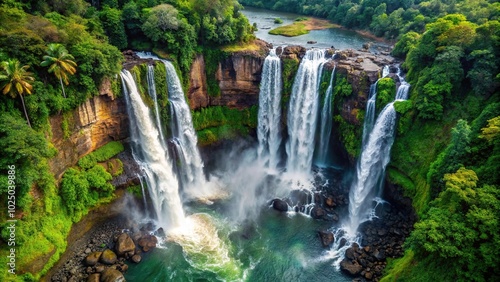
column 96, row 122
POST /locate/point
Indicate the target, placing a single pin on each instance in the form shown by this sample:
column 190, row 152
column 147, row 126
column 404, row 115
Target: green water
column 276, row 247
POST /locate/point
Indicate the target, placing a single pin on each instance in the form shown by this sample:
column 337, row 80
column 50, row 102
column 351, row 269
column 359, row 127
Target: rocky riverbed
column 381, row 238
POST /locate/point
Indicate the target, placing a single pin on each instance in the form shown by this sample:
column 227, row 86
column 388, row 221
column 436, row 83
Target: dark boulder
column 350, row 268
column 93, row 258
column 124, row 245
column 108, row 257
column 94, row 277
column 330, row 202
column 136, row 258
column 318, row 213
column 112, row 275
column 147, row 242
column 326, row 238
column 280, row 205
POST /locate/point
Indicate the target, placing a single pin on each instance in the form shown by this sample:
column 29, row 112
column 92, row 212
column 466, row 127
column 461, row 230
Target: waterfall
column 374, row 158
column 268, row 131
column 302, row 113
column 184, row 139
column 151, row 155
column 152, row 93
column 326, row 124
column 370, row 107
column 191, row 172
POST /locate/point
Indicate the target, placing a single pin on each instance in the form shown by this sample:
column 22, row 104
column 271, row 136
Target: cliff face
column 362, row 69
column 98, row 121
column 239, row 79
column 197, row 92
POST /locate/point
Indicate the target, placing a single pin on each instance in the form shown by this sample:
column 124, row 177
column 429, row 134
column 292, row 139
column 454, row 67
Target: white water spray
column 151, row 155
column 302, row 113
column 192, row 176
column 326, row 124
column 369, row 177
column 268, row 131
column 370, row 107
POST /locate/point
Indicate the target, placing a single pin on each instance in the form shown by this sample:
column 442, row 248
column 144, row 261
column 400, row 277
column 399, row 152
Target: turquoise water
column 277, row 247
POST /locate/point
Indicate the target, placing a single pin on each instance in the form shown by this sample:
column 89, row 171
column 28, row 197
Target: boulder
column 108, row 257
column 136, row 258
column 93, row 258
column 124, row 245
column 112, row 275
column 280, row 205
column 330, row 202
column 94, row 277
column 317, row 213
column 350, row 268
column 326, row 238
column 147, row 242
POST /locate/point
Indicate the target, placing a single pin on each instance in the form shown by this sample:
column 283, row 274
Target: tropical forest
column 250, row 140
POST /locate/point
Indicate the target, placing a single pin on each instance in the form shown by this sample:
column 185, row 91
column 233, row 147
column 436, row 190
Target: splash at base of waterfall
column 204, row 249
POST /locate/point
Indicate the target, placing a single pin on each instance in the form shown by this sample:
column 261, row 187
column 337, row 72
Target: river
column 337, row 37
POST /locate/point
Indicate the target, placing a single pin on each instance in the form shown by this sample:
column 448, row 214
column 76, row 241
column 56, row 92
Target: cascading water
column 370, row 170
column 152, row 93
column 326, row 124
column 192, row 175
column 150, row 154
column 373, row 161
column 268, row 131
column 302, row 113
column 370, row 107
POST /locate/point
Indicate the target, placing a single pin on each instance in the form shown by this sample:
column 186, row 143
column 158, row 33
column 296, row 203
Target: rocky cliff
column 96, row 122
column 238, row 77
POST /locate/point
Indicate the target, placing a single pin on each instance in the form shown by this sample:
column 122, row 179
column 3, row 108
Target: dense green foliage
column 453, row 68
column 100, row 155
column 386, row 92
column 216, row 123
column 460, row 232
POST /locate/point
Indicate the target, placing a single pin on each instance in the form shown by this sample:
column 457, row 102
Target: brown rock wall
column 96, row 122
column 239, row 79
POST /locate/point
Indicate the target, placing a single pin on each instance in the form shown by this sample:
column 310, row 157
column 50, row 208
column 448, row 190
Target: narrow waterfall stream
column 268, row 131
column 303, row 113
column 326, row 124
column 370, row 171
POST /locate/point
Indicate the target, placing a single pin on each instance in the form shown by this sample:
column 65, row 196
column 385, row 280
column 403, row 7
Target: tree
column 17, row 81
column 60, row 62
column 111, row 20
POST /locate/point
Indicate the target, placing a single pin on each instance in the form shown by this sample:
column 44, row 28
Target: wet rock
column 93, row 258
column 112, row 275
column 160, row 232
column 94, row 277
column 330, row 202
column 379, row 254
column 318, row 213
column 147, row 242
column 351, row 268
column 124, row 245
column 326, row 238
column 100, row 268
column 136, row 258
column 108, row 257
column 280, row 205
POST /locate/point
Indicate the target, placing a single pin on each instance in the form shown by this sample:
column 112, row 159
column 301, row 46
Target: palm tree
column 17, row 81
column 60, row 62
